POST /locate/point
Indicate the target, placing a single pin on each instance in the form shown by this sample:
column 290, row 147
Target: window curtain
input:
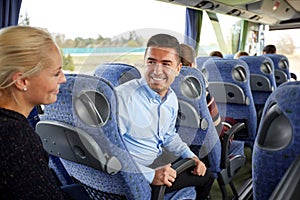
column 9, row 12
column 193, row 24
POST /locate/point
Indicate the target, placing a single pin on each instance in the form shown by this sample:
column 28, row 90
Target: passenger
column 216, row 54
column 147, row 114
column 30, row 75
column 188, row 51
column 269, row 49
column 187, row 55
column 240, row 54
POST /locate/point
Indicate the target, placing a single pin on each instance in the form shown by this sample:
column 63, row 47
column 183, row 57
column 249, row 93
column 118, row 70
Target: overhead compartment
column 276, row 13
column 277, row 9
column 227, row 7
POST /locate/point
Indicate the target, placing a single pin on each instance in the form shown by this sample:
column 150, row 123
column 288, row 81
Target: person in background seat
column 240, row 54
column 216, row 54
column 30, row 75
column 269, row 49
column 188, row 56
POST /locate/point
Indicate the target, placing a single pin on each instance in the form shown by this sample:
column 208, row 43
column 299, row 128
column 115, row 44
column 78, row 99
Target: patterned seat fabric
column 88, row 104
column 196, row 127
column 194, row 123
column 202, row 59
column 262, row 80
column 281, row 66
column 229, row 83
column 82, row 125
column 278, row 142
column 117, row 73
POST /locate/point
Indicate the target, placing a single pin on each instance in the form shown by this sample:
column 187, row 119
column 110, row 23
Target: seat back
column 196, row 127
column 262, row 80
column 54, row 162
column 81, row 127
column 194, row 123
column 202, row 59
column 281, row 66
column 229, row 84
column 229, row 56
column 33, row 117
column 288, row 187
column 278, row 140
column 117, row 73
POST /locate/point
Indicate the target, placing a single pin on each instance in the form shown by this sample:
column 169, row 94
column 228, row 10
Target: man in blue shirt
column 147, row 114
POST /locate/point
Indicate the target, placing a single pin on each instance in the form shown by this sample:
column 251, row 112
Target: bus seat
column 277, row 143
column 262, row 80
column 228, row 56
column 288, row 187
column 54, row 163
column 229, row 84
column 201, row 60
column 33, row 117
column 195, row 127
column 117, row 73
column 81, row 128
column 281, row 66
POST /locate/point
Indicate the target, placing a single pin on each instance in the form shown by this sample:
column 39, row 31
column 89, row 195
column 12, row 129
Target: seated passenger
column 147, row 114
column 188, row 56
column 240, row 54
column 269, row 49
column 30, row 75
column 216, row 54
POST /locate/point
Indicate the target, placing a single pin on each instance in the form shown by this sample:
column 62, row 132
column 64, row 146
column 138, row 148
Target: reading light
column 276, row 5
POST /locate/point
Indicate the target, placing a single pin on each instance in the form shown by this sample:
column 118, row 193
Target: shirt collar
column 151, row 94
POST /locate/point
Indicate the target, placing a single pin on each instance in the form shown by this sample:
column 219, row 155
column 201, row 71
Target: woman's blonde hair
column 23, row 49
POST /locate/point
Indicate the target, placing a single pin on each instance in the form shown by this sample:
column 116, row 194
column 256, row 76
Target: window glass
column 287, row 42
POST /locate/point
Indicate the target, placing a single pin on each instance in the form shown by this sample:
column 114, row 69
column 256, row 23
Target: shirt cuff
column 188, row 154
column 149, row 176
column 147, row 172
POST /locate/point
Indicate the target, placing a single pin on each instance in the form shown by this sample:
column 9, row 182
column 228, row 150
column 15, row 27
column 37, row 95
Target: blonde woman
column 30, row 75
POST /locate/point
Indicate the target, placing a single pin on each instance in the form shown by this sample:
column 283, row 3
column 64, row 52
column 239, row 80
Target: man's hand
column 200, row 168
column 164, row 175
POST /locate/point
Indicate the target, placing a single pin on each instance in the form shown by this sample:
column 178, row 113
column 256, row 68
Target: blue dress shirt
column 147, row 124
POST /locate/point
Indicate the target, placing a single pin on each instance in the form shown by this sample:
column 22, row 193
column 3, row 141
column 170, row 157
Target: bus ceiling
column 278, row 14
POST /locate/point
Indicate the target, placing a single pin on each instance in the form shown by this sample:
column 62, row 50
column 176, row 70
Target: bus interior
column 269, row 168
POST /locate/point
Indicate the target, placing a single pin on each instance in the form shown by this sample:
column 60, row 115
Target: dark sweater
column 24, row 171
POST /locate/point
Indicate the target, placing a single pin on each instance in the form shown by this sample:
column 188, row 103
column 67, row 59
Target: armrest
column 293, row 76
column 180, row 166
column 225, row 141
column 183, row 164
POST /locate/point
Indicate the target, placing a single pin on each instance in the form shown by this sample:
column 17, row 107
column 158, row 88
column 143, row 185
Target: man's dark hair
column 164, row 40
column 269, row 49
column 216, row 53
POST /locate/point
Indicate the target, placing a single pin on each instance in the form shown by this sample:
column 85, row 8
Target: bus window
column 287, row 42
